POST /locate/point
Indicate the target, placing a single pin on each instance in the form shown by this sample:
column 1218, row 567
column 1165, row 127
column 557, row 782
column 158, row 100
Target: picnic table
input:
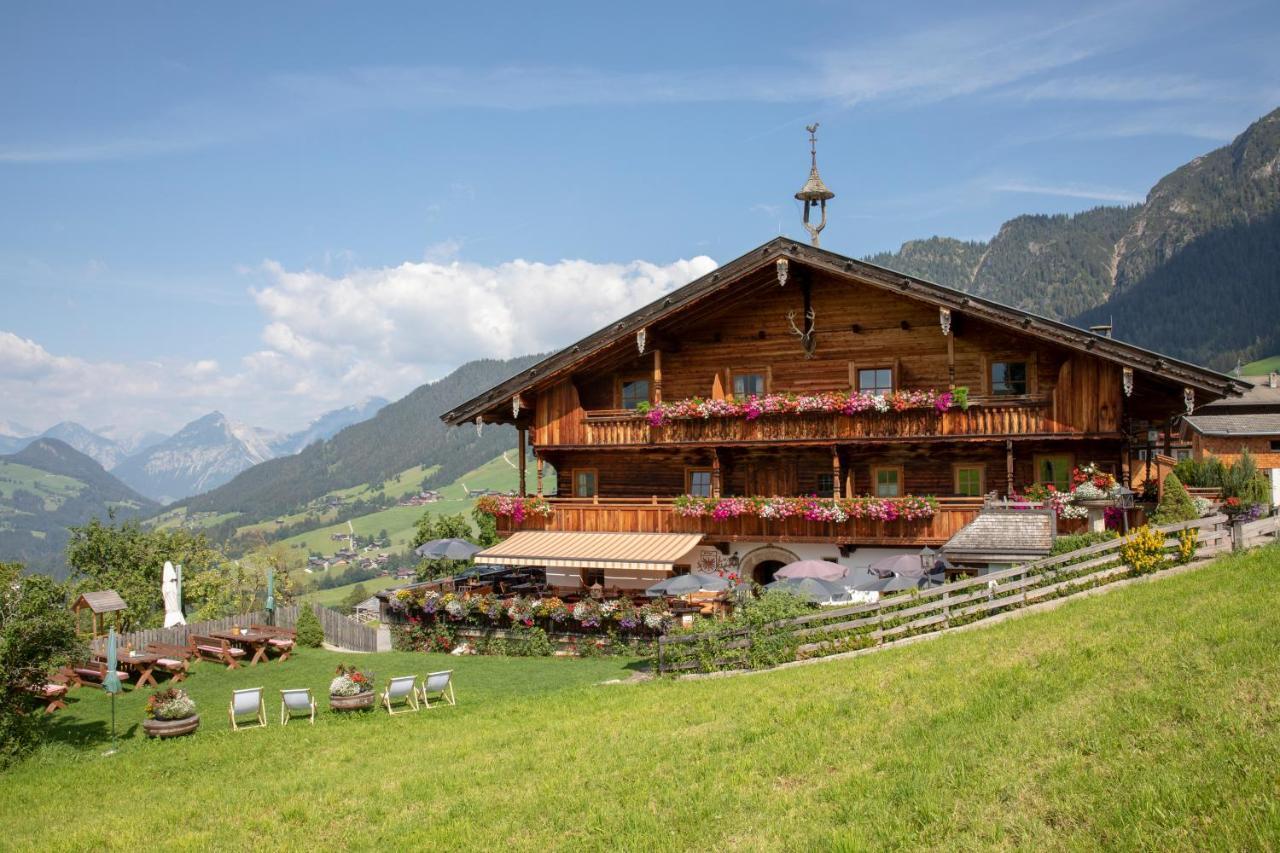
column 139, row 664
column 257, row 641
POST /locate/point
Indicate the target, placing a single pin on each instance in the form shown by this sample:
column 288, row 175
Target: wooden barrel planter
column 358, row 702
column 171, row 728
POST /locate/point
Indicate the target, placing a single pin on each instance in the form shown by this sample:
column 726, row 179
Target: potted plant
column 170, row 713
column 351, row 689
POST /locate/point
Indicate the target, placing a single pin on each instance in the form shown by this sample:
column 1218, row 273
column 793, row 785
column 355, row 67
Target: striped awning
column 639, row 551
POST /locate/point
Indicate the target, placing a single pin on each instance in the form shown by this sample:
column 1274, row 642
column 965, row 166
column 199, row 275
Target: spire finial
column 814, row 193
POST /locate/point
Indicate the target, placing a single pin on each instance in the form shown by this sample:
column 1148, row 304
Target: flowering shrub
column 1090, row 474
column 587, row 612
column 1143, row 550
column 1237, row 510
column 830, row 402
column 171, row 704
column 908, row 508
column 350, row 682
column 515, row 507
column 520, row 611
column 1188, row 541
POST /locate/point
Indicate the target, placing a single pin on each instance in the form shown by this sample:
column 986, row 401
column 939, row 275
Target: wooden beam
column 1008, row 467
column 523, row 433
column 657, row 376
column 715, row 474
column 539, row 467
column 837, row 485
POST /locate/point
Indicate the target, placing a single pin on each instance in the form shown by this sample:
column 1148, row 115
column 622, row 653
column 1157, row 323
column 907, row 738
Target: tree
column 432, row 526
column 487, row 526
column 37, row 634
column 357, row 594
column 1176, row 504
column 309, row 632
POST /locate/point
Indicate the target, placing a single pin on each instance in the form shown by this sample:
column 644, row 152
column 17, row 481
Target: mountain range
column 1191, row 272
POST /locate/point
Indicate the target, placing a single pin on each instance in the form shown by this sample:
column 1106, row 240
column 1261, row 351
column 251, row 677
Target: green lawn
column 1144, row 718
column 338, row 594
column 53, row 488
column 1261, row 366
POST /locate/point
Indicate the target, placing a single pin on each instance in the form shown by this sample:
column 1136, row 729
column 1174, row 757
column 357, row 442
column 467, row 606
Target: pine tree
column 1176, row 504
column 310, row 633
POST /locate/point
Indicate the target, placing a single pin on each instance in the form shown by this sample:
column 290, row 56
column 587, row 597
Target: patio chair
column 438, row 686
column 298, row 700
column 244, row 702
column 403, row 689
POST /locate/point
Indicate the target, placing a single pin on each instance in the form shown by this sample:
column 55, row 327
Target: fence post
column 946, row 610
column 660, row 658
column 1237, row 536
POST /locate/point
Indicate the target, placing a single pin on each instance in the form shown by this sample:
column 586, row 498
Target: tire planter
column 358, row 702
column 171, row 728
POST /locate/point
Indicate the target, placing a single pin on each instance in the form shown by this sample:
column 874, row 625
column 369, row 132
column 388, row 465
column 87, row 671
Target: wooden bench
column 53, row 693
column 92, row 674
column 282, row 639
column 214, row 649
column 174, row 659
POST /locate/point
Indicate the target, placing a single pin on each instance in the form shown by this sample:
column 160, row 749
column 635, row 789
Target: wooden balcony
column 657, row 515
column 982, row 419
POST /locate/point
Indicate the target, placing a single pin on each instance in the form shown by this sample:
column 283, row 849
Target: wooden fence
column 1253, row 533
column 942, row 607
column 338, row 629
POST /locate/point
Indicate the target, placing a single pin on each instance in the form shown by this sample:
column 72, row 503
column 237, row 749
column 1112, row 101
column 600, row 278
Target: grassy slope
column 51, row 487
column 336, row 595
column 1144, row 718
column 1261, row 366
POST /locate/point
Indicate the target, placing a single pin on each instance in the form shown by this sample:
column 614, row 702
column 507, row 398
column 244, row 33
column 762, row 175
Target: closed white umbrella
column 172, row 596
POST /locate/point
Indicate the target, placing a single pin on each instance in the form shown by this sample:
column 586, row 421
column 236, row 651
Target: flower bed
column 508, row 506
column 430, row 614
column 831, row 402
column 838, row 510
column 1089, row 483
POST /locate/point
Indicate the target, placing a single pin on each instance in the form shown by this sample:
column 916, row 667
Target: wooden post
column 523, row 433
column 951, row 359
column 715, row 473
column 657, row 376
column 1008, row 466
column 539, row 466
column 837, row 487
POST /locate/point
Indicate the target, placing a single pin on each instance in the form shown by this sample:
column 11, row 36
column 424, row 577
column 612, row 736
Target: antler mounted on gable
column 807, row 338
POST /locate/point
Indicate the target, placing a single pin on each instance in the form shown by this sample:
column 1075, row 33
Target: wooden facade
column 1041, row 396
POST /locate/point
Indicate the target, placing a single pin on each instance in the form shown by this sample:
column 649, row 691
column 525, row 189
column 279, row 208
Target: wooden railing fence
column 338, row 629
column 946, row 606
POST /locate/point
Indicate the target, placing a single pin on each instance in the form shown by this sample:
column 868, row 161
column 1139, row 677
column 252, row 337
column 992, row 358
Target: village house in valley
column 1228, row 427
column 793, row 371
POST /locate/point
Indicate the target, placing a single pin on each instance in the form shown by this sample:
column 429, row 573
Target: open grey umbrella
column 686, row 584
column 907, row 565
column 893, row 583
column 814, row 589
column 821, row 569
column 447, row 549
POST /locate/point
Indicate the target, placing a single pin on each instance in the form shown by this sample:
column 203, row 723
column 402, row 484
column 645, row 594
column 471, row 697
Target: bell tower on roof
column 814, row 193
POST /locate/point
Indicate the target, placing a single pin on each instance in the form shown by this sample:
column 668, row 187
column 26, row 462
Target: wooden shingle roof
column 1004, row 535
column 103, row 601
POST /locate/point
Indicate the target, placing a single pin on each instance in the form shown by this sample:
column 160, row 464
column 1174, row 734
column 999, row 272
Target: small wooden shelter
column 98, row 603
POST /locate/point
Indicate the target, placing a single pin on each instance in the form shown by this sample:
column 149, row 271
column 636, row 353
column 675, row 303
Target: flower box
column 358, row 702
column 171, row 728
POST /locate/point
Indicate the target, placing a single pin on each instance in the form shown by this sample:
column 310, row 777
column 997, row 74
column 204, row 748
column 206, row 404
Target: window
column 1008, row 377
column 584, row 483
column 1054, row 469
column 1275, row 444
column 634, row 392
column 888, row 481
column 699, row 482
column 970, row 480
column 748, row 385
column 875, row 380
column 826, row 485
column 592, row 576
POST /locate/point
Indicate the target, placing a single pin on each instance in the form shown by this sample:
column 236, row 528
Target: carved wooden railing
column 1032, row 417
column 657, row 515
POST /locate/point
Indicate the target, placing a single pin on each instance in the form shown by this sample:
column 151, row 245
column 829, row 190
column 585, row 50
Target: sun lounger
column 438, row 686
column 403, row 689
column 299, row 700
column 245, row 702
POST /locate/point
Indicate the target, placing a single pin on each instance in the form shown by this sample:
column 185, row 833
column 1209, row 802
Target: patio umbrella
column 686, row 584
column 907, row 565
column 447, row 549
column 821, row 569
column 814, row 589
column 111, row 682
column 893, row 583
column 480, row 571
column 171, row 592
column 271, row 596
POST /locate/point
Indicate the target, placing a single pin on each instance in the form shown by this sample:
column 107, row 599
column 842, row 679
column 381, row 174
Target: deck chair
column 300, row 701
column 403, row 689
column 244, row 702
column 438, row 686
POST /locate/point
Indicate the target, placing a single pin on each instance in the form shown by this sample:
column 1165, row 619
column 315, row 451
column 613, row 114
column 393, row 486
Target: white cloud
column 330, row 339
column 1071, row 191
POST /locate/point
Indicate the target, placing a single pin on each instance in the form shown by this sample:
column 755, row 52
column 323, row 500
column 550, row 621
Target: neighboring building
column 1226, row 428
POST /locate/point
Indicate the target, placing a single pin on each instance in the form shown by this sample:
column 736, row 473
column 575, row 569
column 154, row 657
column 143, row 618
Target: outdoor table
column 140, row 664
column 258, row 641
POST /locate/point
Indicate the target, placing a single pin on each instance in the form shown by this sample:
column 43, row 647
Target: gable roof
column 1260, row 423
column 496, row 401
column 1003, row 535
column 103, row 601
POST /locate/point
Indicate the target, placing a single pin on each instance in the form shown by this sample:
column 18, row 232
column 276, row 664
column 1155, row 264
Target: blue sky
column 273, row 209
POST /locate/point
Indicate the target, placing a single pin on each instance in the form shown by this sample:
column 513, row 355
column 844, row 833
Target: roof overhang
column 565, row 550
column 494, row 405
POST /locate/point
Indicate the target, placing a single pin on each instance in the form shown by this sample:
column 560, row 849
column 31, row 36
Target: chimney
column 1103, row 329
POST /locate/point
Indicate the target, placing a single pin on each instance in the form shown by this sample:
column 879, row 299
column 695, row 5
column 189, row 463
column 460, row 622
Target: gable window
column 887, row 480
column 634, row 392
column 1008, row 377
column 970, row 480
column 748, row 385
column 875, row 380
column 826, row 485
column 584, row 483
column 699, row 482
column 1275, row 444
column 1054, row 469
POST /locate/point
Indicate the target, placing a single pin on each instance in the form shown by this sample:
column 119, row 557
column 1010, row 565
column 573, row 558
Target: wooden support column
column 837, row 484
column 715, row 473
column 951, row 359
column 1008, row 466
column 539, row 467
column 657, row 376
column 523, row 433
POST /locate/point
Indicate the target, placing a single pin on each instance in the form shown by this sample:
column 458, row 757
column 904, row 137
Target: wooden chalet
column 793, row 319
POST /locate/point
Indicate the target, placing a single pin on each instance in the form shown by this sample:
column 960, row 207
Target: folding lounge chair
column 403, row 689
column 245, row 702
column 438, row 686
column 297, row 701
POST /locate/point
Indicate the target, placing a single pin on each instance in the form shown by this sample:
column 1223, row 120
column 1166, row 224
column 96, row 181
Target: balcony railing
column 657, row 515
column 617, row 428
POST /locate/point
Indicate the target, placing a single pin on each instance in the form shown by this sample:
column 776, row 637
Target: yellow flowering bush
column 1143, row 550
column 1188, row 541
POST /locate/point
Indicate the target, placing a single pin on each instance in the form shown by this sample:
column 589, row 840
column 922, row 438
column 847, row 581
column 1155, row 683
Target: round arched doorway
column 763, row 563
